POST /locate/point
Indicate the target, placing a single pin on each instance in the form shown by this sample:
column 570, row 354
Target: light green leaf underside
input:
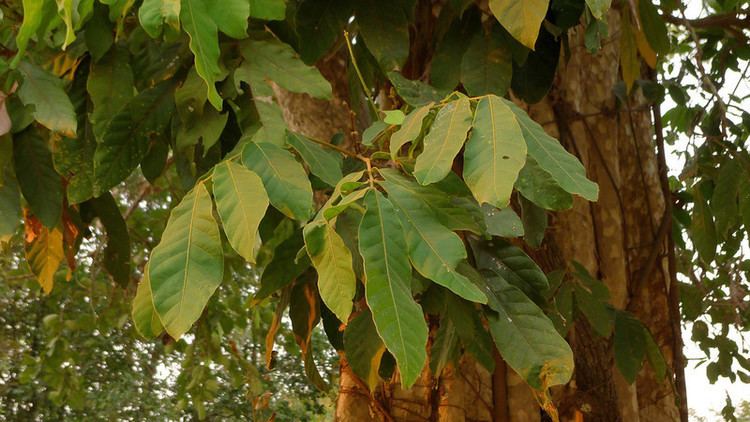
column 285, row 179
column 442, row 143
column 231, row 17
column 332, row 260
column 564, row 167
column 154, row 13
column 52, row 106
column 434, row 250
column 187, row 265
column 398, row 318
column 241, row 201
column 410, row 129
column 494, row 153
column 145, row 319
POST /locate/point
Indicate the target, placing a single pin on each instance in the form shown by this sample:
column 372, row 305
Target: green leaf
column 495, row 152
column 654, row 356
column 324, row 163
column 363, row 348
column 34, row 12
column 394, row 117
column 144, row 315
column 534, row 222
column 373, row 132
column 276, row 61
column 10, row 205
column 503, row 223
column 110, row 87
column 532, row 80
column 65, row 11
column 204, row 43
column 385, row 29
column 74, row 160
column 241, row 202
column 410, row 129
column 487, row 65
column 285, row 180
column 231, row 18
column 654, row 27
column 333, row 262
column 270, row 10
column 445, row 347
column 205, row 129
column 414, row 92
column 744, row 200
column 99, row 35
column 539, row 187
column 126, row 138
column 598, row 7
column 724, row 199
column 187, row 265
column 40, row 184
column 452, row 209
column 512, row 265
column 629, row 344
column 285, row 266
column 52, row 106
column 526, row 338
column 522, row 19
column 434, row 250
column 304, row 311
column 443, row 142
column 117, row 252
column 398, row 318
column 445, row 68
column 564, row 167
column 154, row 13
column 591, row 298
column 702, row 229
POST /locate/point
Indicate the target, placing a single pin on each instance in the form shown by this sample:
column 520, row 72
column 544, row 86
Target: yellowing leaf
column 522, row 18
column 145, row 319
column 44, row 255
column 443, row 142
column 629, row 64
column 648, row 54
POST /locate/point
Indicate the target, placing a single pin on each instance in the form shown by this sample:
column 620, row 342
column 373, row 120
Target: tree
column 471, row 198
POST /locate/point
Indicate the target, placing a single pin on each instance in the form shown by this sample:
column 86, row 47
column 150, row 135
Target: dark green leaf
column 40, row 184
column 487, row 65
column 384, row 27
column 629, row 344
column 117, row 252
column 324, row 163
column 363, row 348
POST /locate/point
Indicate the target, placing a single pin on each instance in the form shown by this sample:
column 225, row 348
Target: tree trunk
column 623, row 239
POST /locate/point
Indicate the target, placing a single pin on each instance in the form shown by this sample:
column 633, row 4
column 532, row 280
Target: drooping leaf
column 724, row 199
column 65, row 11
column 206, row 129
column 629, row 63
column 304, row 311
column 521, row 18
column 591, row 299
column 409, row 130
column 502, row 222
column 702, row 228
column 196, row 20
column 654, row 356
column 126, row 138
column 187, row 265
column 564, row 167
column 98, row 34
column 285, row 267
column 452, row 209
column 324, row 163
column 398, row 318
column 270, row 10
column 117, row 252
column 495, row 152
column 363, row 348
column 241, row 201
column 73, row 159
column 526, row 338
column 539, row 187
column 384, row 27
column 629, row 344
column 110, row 86
column 231, row 17
column 534, row 221
column 486, row 67
column 332, row 260
column 653, row 26
column 434, row 250
column 532, row 80
column 144, row 315
column 373, row 132
column 285, row 180
column 52, row 106
column 40, row 184
column 44, row 255
column 512, row 265
column 445, row 68
column 276, row 61
column 154, row 13
column 414, row 92
column 445, row 347
column 443, row 142
column 10, row 205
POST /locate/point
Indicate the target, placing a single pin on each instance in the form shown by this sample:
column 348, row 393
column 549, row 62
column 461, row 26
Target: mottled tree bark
column 620, row 239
